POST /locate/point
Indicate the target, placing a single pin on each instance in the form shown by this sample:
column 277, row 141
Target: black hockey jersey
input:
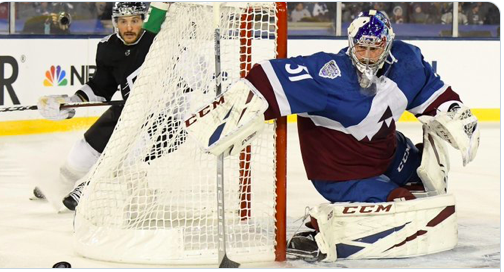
column 118, row 64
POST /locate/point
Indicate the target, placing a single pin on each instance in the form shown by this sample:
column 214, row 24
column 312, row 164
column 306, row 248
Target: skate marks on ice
column 32, row 235
column 34, row 161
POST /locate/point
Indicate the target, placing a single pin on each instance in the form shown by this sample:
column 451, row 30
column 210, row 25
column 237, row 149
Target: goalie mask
column 370, row 38
column 125, row 9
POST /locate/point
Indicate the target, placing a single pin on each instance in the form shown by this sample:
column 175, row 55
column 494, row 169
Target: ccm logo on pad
column 204, row 111
column 367, row 209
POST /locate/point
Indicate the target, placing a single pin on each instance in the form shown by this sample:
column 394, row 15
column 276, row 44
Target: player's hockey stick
column 64, row 106
column 224, row 261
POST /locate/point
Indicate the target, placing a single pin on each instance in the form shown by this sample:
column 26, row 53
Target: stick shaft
column 64, row 106
column 223, row 260
column 221, row 228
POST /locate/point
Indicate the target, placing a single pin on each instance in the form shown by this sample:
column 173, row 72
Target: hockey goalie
column 347, row 105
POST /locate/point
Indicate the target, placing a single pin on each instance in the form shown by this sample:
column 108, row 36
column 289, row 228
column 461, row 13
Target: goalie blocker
column 230, row 122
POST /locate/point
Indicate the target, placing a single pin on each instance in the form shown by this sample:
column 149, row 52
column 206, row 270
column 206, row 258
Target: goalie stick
column 65, row 106
column 223, row 260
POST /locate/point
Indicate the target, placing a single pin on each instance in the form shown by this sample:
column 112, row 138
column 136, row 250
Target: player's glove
column 49, row 107
column 459, row 127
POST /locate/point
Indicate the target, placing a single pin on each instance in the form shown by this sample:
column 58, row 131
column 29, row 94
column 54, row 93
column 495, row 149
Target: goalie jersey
column 345, row 132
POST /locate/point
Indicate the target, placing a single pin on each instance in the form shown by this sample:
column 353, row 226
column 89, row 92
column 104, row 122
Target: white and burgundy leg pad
column 386, row 229
column 435, row 165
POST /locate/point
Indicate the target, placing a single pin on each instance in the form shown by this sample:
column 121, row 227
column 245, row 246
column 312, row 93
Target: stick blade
column 227, row 263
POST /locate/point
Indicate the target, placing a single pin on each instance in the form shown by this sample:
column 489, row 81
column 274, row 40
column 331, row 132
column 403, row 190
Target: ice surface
column 34, row 235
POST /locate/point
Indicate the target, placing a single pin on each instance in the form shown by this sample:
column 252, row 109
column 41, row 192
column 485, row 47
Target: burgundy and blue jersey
column 347, row 133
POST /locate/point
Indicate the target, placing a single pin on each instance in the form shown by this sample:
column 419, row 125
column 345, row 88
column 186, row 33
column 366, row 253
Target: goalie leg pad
column 433, row 170
column 386, row 230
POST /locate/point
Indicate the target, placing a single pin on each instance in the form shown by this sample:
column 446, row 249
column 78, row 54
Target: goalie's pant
column 377, row 189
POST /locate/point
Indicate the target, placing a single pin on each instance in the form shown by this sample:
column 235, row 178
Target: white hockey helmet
column 121, row 9
column 371, row 29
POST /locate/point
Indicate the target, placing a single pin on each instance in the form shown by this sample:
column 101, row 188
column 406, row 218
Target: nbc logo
column 55, row 77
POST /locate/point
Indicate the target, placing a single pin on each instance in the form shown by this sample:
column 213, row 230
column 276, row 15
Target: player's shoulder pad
column 405, row 52
column 148, row 35
column 342, row 58
column 331, row 66
column 106, row 38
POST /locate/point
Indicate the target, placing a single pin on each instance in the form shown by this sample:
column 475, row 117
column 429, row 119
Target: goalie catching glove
column 50, row 106
column 230, row 122
column 458, row 126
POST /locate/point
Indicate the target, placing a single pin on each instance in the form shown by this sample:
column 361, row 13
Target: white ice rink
column 33, row 235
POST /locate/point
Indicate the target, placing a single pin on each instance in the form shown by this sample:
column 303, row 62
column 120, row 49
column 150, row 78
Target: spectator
column 299, row 13
column 309, row 7
column 46, row 8
column 321, row 11
column 491, row 14
column 85, row 11
column 397, row 15
column 42, row 8
column 447, row 18
column 4, row 11
column 444, row 7
column 474, row 15
column 418, row 16
column 104, row 10
column 104, row 13
column 401, row 8
column 26, row 10
column 352, row 10
column 381, row 6
column 433, row 10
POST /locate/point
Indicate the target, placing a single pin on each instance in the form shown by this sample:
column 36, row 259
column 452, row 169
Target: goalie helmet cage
column 152, row 194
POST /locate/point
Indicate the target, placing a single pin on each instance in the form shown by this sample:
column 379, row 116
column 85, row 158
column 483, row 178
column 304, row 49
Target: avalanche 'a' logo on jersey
column 386, row 107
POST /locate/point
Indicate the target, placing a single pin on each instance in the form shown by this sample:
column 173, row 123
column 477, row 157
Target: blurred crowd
column 311, row 11
column 38, row 15
column 469, row 13
column 94, row 17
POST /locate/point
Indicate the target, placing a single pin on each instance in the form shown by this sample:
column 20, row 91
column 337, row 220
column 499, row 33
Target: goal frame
column 123, row 184
column 281, row 146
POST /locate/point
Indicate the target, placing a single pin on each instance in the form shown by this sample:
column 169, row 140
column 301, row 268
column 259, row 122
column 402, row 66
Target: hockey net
column 151, row 198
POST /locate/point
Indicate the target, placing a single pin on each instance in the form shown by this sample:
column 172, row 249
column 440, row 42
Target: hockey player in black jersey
column 118, row 60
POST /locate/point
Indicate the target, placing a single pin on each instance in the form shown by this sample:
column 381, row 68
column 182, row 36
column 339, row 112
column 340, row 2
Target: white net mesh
column 152, row 195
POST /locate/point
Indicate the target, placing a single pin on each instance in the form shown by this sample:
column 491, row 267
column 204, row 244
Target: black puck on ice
column 62, row 265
